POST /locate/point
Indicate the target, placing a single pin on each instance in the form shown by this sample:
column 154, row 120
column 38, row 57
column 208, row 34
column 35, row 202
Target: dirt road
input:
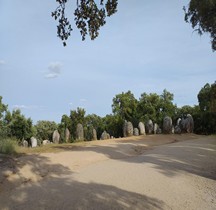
column 115, row 174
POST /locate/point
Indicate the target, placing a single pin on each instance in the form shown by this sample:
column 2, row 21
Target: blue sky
column 145, row 47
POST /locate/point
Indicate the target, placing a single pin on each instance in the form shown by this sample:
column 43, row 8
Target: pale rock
column 167, row 125
column 79, row 132
column 67, row 135
column 149, row 127
column 33, row 141
column 141, row 127
column 25, row 143
column 136, row 132
column 56, row 137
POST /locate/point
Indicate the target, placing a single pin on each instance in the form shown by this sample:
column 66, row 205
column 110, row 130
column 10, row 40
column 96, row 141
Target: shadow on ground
column 196, row 156
column 56, row 189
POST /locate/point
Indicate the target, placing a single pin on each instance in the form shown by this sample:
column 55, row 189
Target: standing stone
column 173, row 130
column 105, row 136
column 129, row 129
column 25, row 143
column 167, row 125
column 177, row 129
column 33, row 141
column 187, row 124
column 79, row 132
column 155, row 128
column 67, row 135
column 125, row 129
column 149, row 127
column 136, row 132
column 178, row 121
column 190, row 124
column 108, row 136
column 56, row 137
column 45, row 142
column 141, row 128
column 94, row 132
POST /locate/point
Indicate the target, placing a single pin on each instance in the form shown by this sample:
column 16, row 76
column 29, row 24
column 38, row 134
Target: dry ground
column 145, row 172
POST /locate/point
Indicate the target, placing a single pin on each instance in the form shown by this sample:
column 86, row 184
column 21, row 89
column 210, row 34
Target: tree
column 167, row 106
column 3, row 125
column 89, row 17
column 113, row 125
column 205, row 122
column 20, row 127
column 202, row 16
column 149, row 107
column 93, row 121
column 125, row 105
column 207, row 98
column 45, row 129
column 76, row 116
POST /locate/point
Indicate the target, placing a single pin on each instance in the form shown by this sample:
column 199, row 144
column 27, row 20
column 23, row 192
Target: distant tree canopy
column 202, row 16
column 125, row 107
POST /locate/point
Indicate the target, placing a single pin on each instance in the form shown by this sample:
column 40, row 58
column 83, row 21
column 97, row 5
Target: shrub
column 8, row 146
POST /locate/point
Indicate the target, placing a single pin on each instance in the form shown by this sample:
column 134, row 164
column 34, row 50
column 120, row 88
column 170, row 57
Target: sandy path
column 120, row 174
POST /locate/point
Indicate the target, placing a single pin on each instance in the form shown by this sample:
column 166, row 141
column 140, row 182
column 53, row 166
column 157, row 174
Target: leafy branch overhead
column 89, row 15
column 202, row 16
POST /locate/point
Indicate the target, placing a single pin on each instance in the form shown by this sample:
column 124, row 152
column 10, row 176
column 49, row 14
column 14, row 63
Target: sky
column 145, row 47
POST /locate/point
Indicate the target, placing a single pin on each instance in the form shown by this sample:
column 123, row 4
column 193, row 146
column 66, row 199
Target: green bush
column 8, row 146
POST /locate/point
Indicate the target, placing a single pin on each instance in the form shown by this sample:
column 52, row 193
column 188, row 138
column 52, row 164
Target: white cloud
column 54, row 70
column 51, row 75
column 15, row 107
column 83, row 100
column 19, row 107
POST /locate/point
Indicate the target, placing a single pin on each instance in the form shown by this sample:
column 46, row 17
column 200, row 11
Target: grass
column 8, row 146
column 51, row 148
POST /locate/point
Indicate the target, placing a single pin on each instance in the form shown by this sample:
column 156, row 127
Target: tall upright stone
column 149, row 127
column 187, row 124
column 56, row 137
column 25, row 143
column 156, row 128
column 129, row 129
column 167, row 125
column 136, row 132
column 67, row 135
column 94, row 132
column 105, row 136
column 125, row 129
column 141, row 127
column 79, row 132
column 33, row 141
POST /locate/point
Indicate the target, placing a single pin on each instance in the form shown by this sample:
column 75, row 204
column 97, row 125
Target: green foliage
column 113, row 125
column 96, row 122
column 125, row 105
column 8, row 146
column 89, row 15
column 65, row 123
column 205, row 122
column 149, row 107
column 207, row 98
column 76, row 117
column 20, row 127
column 45, row 129
column 156, row 107
column 3, row 108
column 202, row 16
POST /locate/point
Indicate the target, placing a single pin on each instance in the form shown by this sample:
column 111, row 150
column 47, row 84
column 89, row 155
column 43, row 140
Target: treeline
column 124, row 107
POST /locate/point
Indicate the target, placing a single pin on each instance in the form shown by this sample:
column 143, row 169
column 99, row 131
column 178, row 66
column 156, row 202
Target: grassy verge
column 8, row 146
